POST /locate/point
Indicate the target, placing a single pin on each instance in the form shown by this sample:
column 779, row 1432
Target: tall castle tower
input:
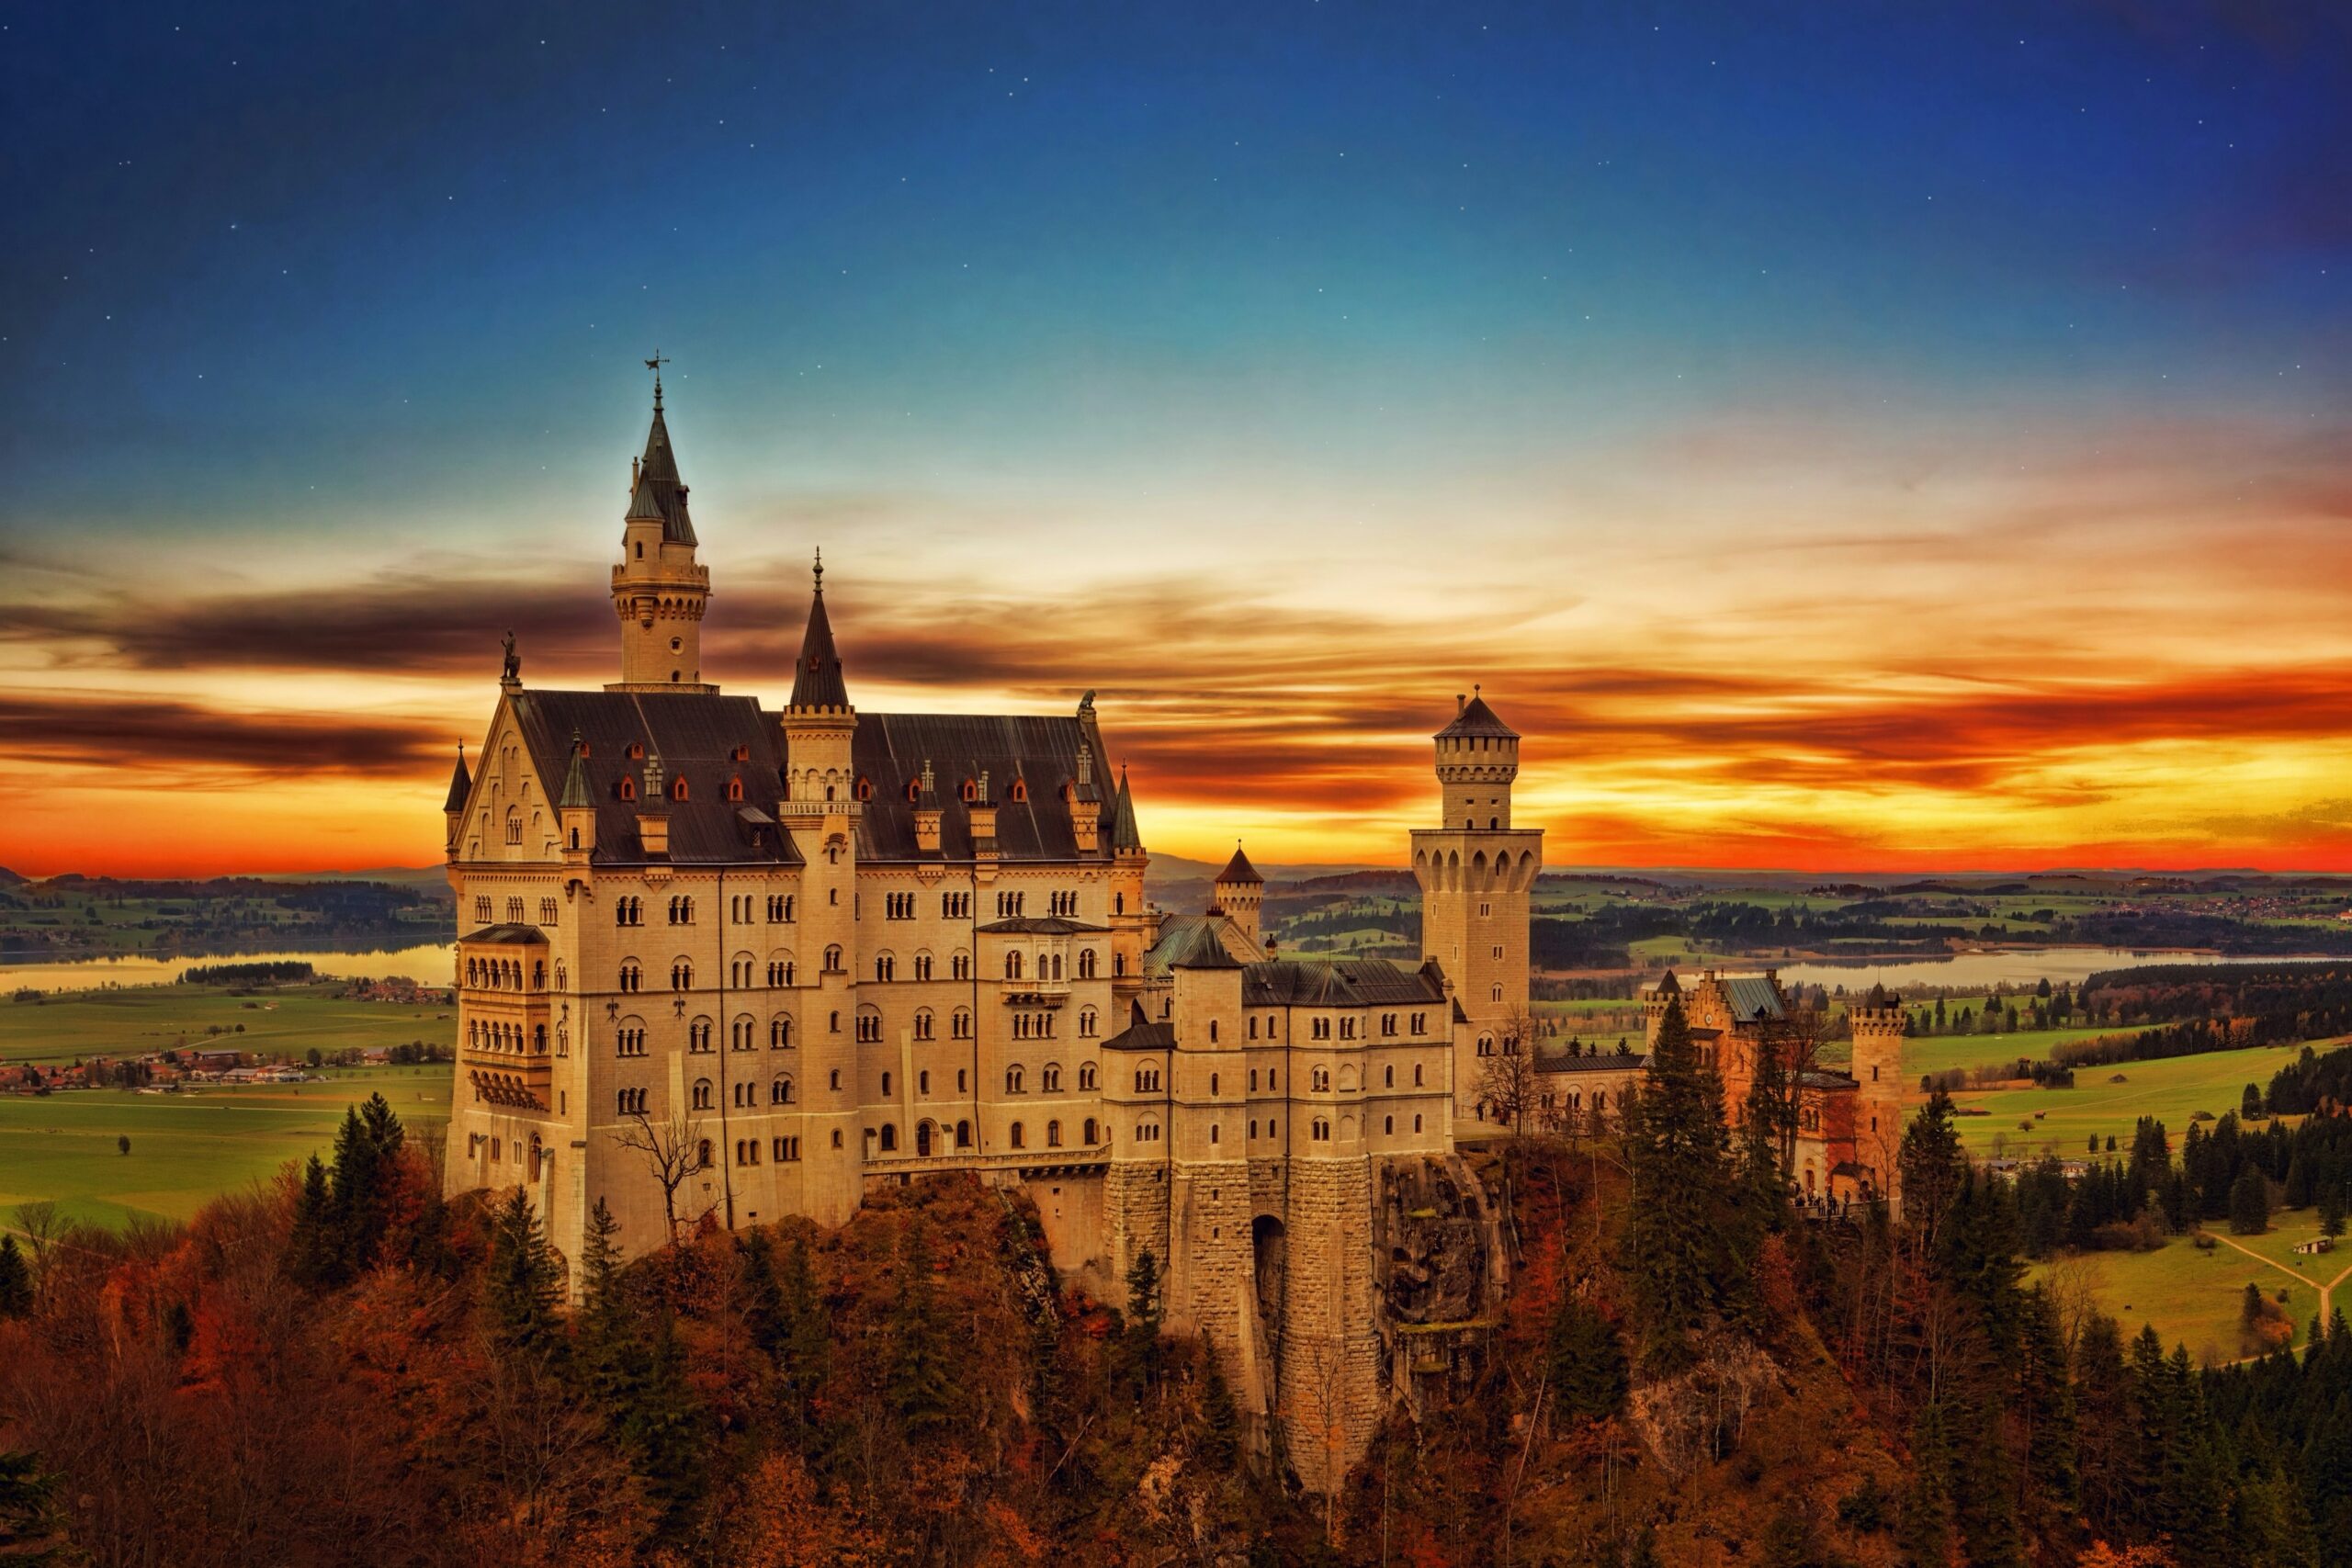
column 1477, row 871
column 658, row 589
column 820, row 810
column 1879, row 1023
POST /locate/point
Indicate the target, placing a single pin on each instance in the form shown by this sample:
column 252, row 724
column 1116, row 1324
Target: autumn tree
column 522, row 1285
column 672, row 1150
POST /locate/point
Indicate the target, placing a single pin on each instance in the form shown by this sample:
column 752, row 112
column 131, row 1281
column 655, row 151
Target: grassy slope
column 185, row 1149
column 2171, row 1090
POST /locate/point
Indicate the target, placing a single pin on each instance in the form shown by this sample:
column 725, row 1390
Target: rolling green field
column 1937, row 1052
column 186, row 1148
column 136, row 1019
column 2193, row 1296
column 2030, row 1122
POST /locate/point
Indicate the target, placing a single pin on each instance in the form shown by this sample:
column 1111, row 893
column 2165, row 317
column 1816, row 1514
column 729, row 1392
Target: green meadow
column 135, row 1019
column 2194, row 1295
column 188, row 1147
column 2030, row 1122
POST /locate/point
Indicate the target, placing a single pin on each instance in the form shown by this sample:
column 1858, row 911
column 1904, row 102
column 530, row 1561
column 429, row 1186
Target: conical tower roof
column 817, row 682
column 1476, row 718
column 1124, row 835
column 1238, row 869
column 659, row 490
column 461, row 783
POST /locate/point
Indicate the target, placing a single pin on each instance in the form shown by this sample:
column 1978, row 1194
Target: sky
column 1836, row 437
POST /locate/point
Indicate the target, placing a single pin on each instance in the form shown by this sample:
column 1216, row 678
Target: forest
column 344, row 1366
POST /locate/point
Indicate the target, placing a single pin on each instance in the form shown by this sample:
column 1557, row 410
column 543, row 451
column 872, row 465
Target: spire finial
column 821, row 569
column 654, row 365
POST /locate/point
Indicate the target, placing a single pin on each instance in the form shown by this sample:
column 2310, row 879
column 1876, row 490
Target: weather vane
column 654, row 365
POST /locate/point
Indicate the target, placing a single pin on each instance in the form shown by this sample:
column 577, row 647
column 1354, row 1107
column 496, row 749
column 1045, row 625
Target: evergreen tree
column 1677, row 1255
column 1926, row 1532
column 313, row 1251
column 523, row 1283
column 1220, row 1442
column 1588, row 1372
column 2249, row 1203
column 1143, row 1318
column 2331, row 1212
column 16, row 1279
column 2250, row 1105
column 922, row 1376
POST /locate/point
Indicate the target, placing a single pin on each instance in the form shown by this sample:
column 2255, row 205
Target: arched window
column 514, row 825
column 1086, row 964
column 1013, row 966
column 832, row 960
column 1086, row 1078
column 1020, row 790
column 1012, row 1078
column 678, row 784
column 780, row 1091
column 1053, row 1134
column 734, row 789
column 889, row 1136
column 923, row 1024
column 702, row 1094
column 1016, row 1136
column 963, row 1134
column 864, row 788
column 629, row 788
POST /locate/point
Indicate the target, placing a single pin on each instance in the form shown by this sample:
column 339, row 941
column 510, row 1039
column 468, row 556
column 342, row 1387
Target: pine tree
column 922, row 1368
column 1142, row 1316
column 2249, row 1203
column 2331, row 1212
column 522, row 1285
column 313, row 1251
column 15, row 1281
column 1588, row 1372
column 1220, row 1443
column 1677, row 1251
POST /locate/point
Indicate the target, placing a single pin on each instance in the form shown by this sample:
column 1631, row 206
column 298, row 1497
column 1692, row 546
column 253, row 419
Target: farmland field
column 186, row 1148
column 2192, row 1295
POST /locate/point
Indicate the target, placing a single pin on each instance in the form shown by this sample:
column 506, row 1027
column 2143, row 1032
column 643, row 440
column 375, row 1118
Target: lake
column 2014, row 967
column 434, row 963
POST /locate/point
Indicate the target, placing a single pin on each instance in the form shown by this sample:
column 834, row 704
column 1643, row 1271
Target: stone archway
column 1269, row 1245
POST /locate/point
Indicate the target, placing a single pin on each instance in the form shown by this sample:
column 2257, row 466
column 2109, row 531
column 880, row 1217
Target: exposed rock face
column 1697, row 1415
column 1441, row 1269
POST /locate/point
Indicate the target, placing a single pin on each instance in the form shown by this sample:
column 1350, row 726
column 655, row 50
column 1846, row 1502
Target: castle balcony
column 1019, row 1162
column 1037, row 993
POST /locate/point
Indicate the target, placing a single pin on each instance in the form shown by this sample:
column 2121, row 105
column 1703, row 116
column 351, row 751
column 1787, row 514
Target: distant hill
column 9, row 878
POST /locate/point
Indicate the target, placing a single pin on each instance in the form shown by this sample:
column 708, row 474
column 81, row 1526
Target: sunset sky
column 1916, row 442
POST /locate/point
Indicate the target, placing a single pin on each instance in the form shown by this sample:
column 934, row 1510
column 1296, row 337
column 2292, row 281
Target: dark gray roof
column 1040, row 752
column 695, row 734
column 1044, row 925
column 1154, row 1036
column 1476, row 718
column 817, row 681
column 1606, row 1062
column 1822, row 1077
column 1753, row 996
column 658, row 481
column 1198, row 948
column 1340, row 983
column 461, row 784
column 510, row 934
column 1238, row 869
column 1669, row 985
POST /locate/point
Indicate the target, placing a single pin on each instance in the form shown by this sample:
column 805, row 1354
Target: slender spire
column 817, row 683
column 461, row 782
column 1123, row 834
column 658, row 490
column 575, row 783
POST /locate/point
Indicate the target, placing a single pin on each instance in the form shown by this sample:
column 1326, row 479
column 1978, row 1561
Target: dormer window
column 971, row 791
column 734, row 789
column 1020, row 790
column 742, row 753
column 914, row 790
column 629, row 789
column 864, row 788
column 678, row 789
column 636, row 751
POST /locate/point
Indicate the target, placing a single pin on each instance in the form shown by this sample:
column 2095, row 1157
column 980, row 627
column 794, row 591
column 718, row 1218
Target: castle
column 1849, row 1125
column 728, row 960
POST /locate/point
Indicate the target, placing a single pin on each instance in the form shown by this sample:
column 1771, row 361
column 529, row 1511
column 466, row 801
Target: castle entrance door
column 923, row 1139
